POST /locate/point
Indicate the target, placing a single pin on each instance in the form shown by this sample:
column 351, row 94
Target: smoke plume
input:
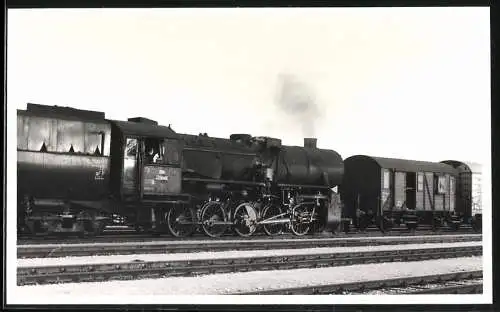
column 297, row 101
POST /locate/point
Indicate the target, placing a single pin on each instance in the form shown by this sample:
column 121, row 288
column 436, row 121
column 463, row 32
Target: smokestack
column 310, row 142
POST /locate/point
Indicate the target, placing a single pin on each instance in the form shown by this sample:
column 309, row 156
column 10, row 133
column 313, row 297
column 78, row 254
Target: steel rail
column 180, row 247
column 157, row 269
column 365, row 286
column 476, row 288
column 132, row 235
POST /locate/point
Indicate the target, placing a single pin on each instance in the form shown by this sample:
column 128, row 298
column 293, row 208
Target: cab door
column 130, row 175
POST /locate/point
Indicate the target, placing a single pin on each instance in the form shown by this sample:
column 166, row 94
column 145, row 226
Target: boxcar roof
column 144, row 129
column 411, row 165
column 467, row 166
column 475, row 167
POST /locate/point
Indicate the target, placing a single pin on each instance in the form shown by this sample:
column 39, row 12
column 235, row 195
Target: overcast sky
column 395, row 82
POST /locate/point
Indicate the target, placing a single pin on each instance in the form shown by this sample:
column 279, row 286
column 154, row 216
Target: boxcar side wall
column 399, row 190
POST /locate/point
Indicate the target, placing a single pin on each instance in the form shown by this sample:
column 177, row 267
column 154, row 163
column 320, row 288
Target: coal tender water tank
column 309, row 165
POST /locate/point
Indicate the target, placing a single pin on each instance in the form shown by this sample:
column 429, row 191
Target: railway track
column 158, row 269
column 111, row 236
column 53, row 250
column 450, row 283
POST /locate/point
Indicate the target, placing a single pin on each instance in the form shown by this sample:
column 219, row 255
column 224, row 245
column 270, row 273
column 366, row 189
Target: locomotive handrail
column 218, row 151
column 313, row 196
column 224, row 181
column 302, row 186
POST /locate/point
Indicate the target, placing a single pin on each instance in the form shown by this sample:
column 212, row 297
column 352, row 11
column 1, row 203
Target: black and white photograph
column 249, row 156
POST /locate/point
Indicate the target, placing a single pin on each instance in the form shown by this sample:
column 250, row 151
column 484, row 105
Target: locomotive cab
column 147, row 162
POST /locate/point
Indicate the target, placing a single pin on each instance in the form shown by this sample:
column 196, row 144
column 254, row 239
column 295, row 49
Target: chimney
column 310, row 142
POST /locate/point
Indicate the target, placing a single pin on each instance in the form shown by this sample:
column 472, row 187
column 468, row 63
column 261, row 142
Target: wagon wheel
column 213, row 219
column 476, row 225
column 412, row 227
column 437, row 223
column 300, row 223
column 385, row 224
column 454, row 226
column 245, row 220
column 269, row 212
column 181, row 221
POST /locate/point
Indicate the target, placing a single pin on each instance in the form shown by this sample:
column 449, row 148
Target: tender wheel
column 91, row 225
column 346, row 225
column 269, row 212
column 245, row 220
column 300, row 221
column 213, row 219
column 94, row 228
column 363, row 222
column 181, row 221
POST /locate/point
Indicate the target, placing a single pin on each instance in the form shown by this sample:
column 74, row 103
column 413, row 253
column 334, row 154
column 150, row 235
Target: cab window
column 171, row 152
column 131, row 148
column 153, row 151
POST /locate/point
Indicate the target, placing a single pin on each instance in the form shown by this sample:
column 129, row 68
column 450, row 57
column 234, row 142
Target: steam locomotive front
column 303, row 177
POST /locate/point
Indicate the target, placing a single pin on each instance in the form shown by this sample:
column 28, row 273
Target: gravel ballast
column 224, row 254
column 231, row 283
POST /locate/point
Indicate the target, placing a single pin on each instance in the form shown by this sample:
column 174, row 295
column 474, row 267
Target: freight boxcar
column 387, row 191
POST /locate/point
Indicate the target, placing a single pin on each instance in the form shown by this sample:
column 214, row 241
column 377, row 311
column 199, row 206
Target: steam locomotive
column 79, row 172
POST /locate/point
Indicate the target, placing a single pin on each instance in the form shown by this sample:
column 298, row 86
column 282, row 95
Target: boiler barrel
column 310, row 166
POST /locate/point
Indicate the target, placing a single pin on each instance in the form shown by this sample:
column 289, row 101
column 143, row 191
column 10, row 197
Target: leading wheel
column 181, row 221
column 268, row 213
column 213, row 219
column 245, row 219
column 301, row 220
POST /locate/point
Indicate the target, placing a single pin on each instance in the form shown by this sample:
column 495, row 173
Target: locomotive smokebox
column 310, row 142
